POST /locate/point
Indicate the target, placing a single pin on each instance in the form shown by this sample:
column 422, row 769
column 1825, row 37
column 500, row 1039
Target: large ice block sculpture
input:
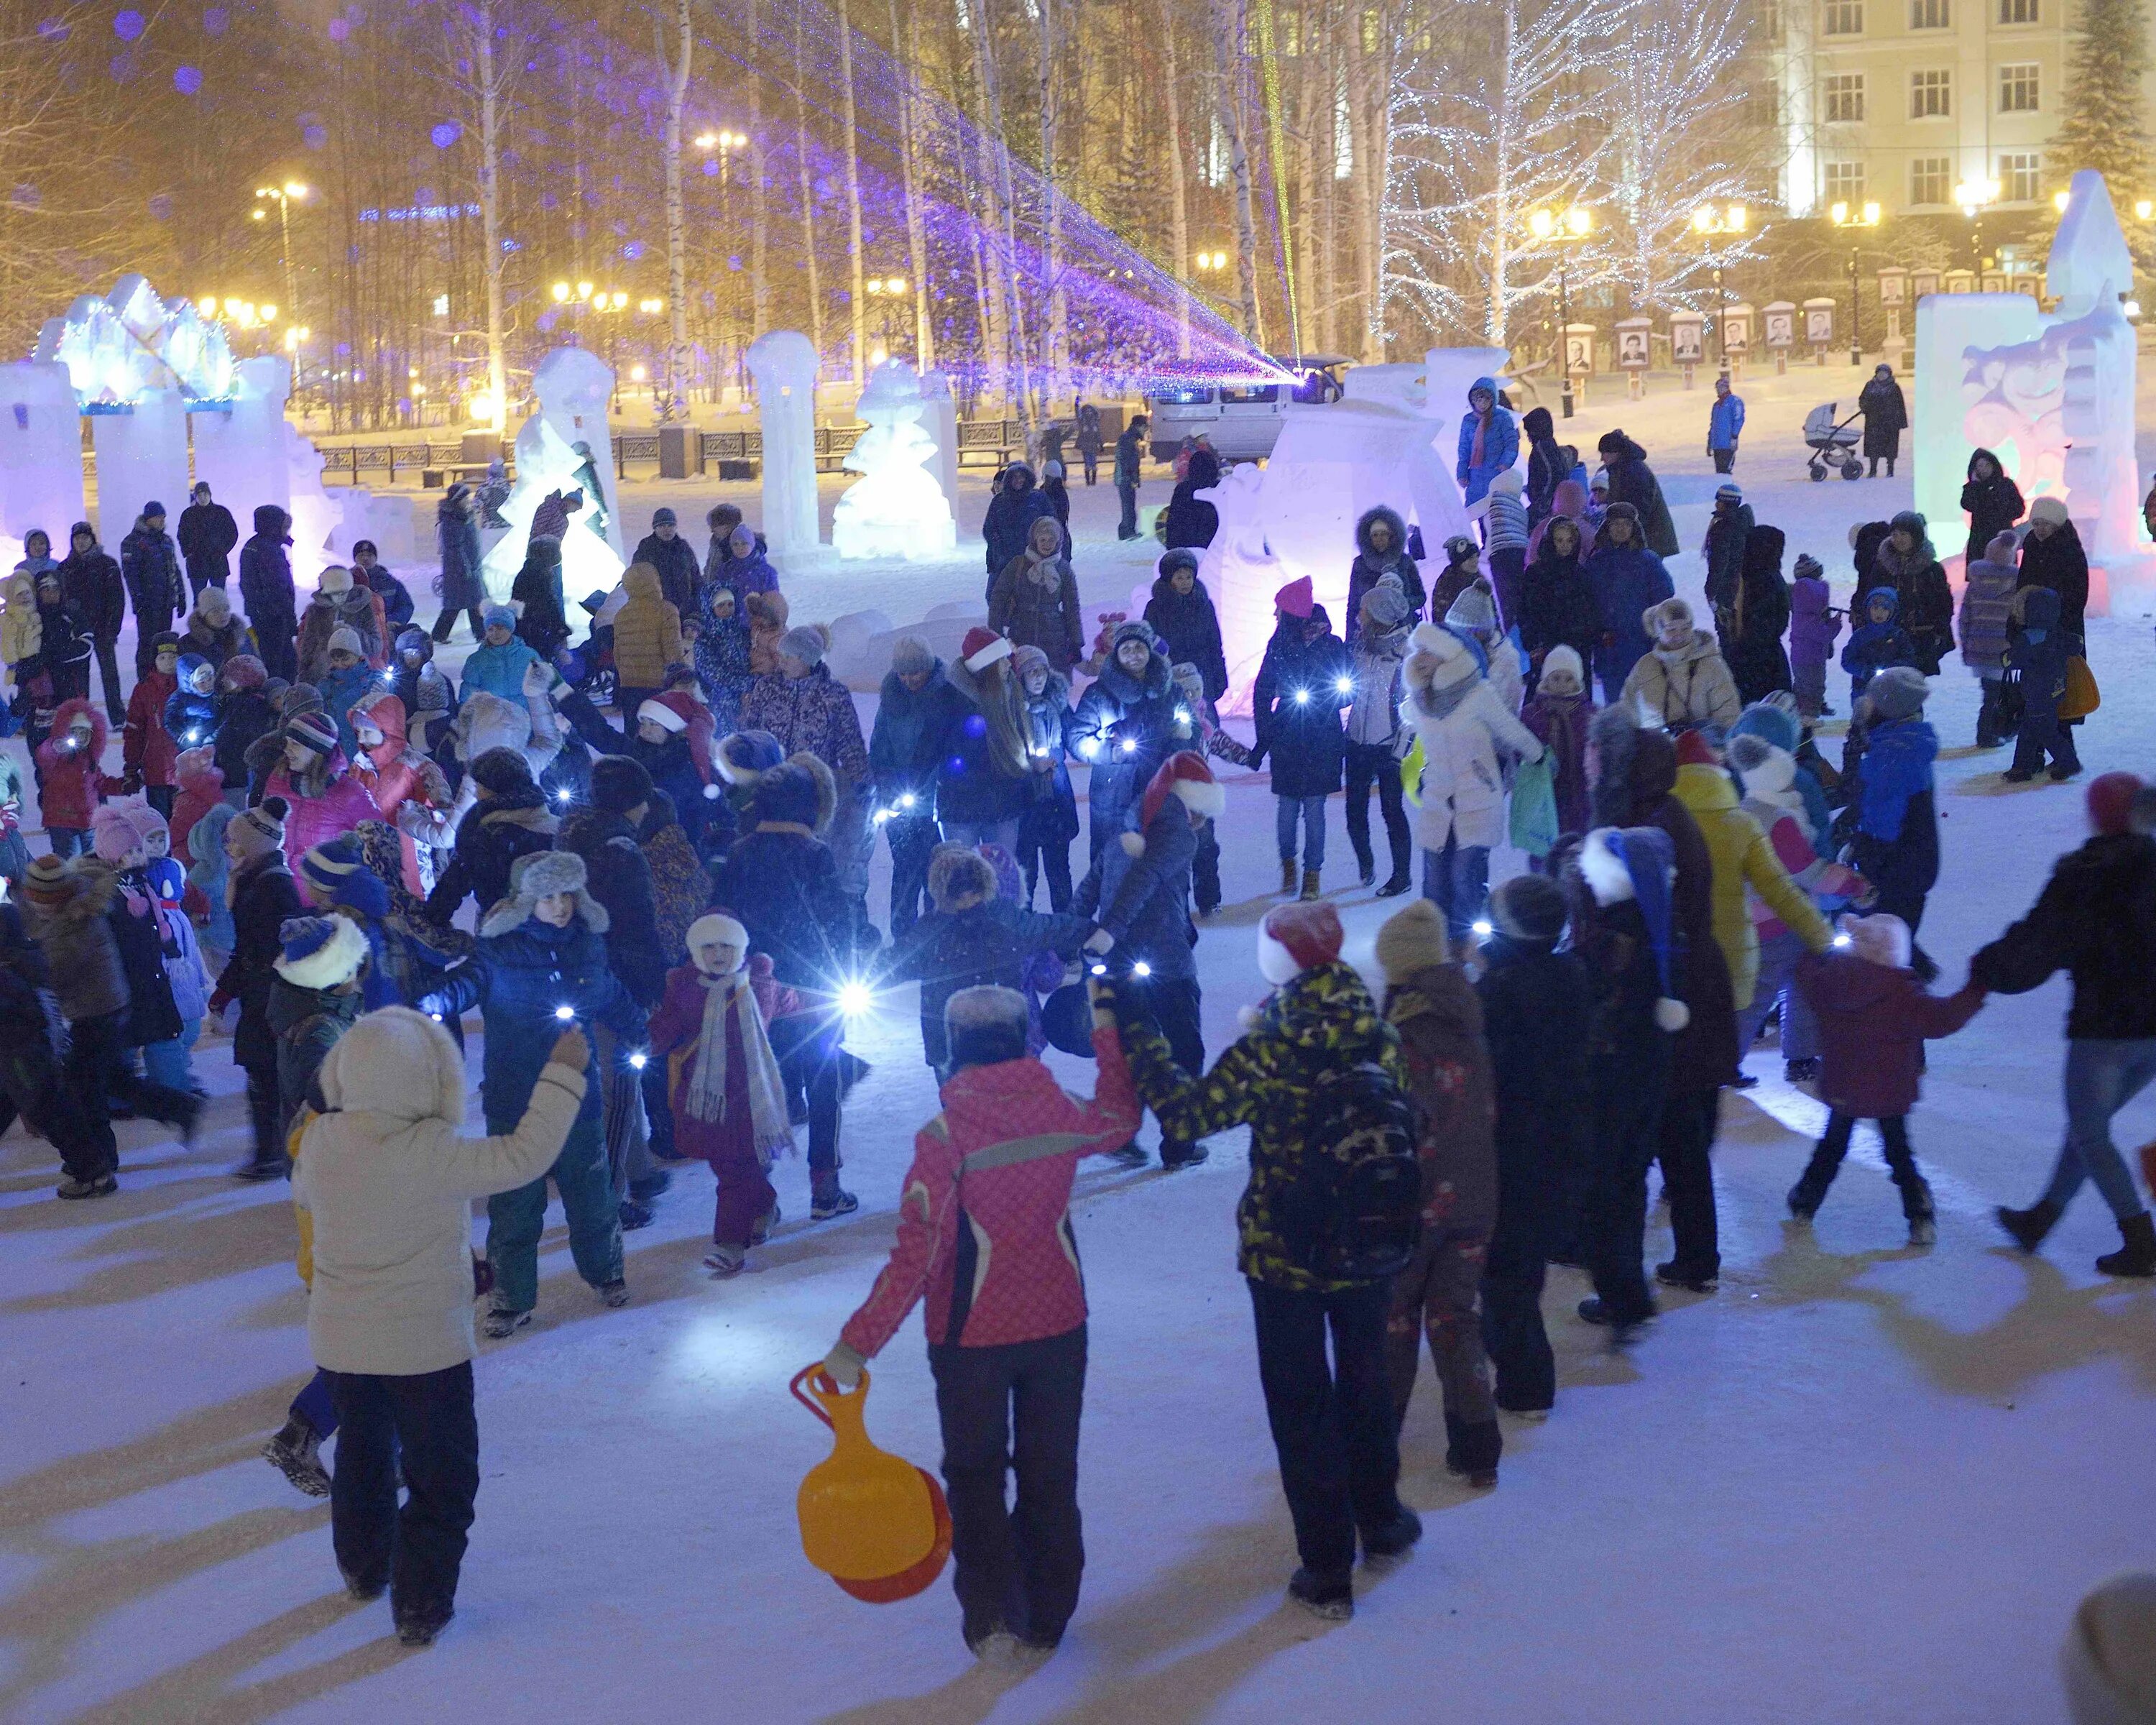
column 895, row 508
column 141, row 458
column 1391, row 439
column 784, row 363
column 40, row 451
column 2052, row 395
column 566, row 445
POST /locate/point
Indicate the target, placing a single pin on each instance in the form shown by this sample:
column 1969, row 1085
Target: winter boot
column 501, row 1322
column 269, row 1167
column 828, row 1198
column 1922, row 1215
column 613, row 1295
column 761, row 1232
column 418, row 1628
column 634, row 1216
column 2029, row 1227
column 1802, row 1071
column 361, row 1590
column 1398, row 1535
column 1287, row 875
column 296, row 1452
column 725, row 1260
column 1398, row 884
column 1808, row 1193
column 1132, row 1155
column 1178, row 1156
column 1330, row 1598
column 1674, row 1275
column 101, row 1186
column 2137, row 1255
column 1366, row 870
column 1310, row 889
column 1472, row 1449
column 651, row 1185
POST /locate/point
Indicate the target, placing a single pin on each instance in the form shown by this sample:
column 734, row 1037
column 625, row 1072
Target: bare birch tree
column 673, row 403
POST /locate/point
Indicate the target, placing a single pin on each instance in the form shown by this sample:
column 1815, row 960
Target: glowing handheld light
column 855, row 998
column 565, row 1012
column 907, row 799
column 1130, row 746
column 639, row 1060
column 1842, row 940
column 1482, row 927
column 1099, row 969
column 1302, row 697
column 1344, row 685
column 1142, row 970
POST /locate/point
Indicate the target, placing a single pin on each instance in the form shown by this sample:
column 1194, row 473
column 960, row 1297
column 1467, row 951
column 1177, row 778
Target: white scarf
column 707, row 1078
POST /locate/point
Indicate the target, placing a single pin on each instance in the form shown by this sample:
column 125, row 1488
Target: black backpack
column 1353, row 1213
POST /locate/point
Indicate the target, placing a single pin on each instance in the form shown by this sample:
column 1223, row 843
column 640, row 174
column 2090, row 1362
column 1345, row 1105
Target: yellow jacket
column 21, row 633
column 1741, row 854
column 304, row 1259
column 647, row 634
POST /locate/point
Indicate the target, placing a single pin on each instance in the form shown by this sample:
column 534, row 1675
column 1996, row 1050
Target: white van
column 1242, row 421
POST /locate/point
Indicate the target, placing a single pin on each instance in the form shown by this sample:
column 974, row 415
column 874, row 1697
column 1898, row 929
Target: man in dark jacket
column 207, row 534
column 668, row 552
column 96, row 595
column 149, row 564
column 266, row 591
column 1008, row 527
column 1550, row 464
column 1632, row 481
column 1381, row 548
column 1191, row 520
column 2095, row 919
column 509, row 820
column 262, row 897
column 1752, row 625
column 603, row 832
column 915, row 716
column 1130, row 466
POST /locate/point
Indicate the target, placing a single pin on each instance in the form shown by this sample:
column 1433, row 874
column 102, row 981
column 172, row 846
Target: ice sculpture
column 2052, row 395
column 566, row 445
column 784, row 363
column 121, row 346
column 895, row 508
column 250, row 453
column 941, row 422
column 142, row 457
column 40, row 451
column 1391, row 439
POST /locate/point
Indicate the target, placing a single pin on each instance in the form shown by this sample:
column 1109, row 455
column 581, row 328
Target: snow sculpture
column 2052, row 395
column 40, row 451
column 128, row 342
column 896, row 508
column 784, row 363
column 251, row 454
column 566, row 445
column 1391, row 439
column 941, row 422
column 142, row 456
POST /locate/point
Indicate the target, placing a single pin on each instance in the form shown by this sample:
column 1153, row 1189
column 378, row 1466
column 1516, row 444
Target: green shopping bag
column 1534, row 808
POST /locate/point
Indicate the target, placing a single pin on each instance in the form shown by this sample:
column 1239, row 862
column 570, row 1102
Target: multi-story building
column 1901, row 101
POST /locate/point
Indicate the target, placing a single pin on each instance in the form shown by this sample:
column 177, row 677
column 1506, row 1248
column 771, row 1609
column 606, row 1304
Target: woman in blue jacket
column 1627, row 579
column 1489, row 439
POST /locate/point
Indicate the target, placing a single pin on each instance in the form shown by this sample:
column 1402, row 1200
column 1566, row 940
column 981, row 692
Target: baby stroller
column 1831, row 444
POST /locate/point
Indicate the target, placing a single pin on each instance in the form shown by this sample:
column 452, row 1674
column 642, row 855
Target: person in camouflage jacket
column 1332, row 1424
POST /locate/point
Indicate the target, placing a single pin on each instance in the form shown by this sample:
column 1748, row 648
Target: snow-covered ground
column 1859, row 1483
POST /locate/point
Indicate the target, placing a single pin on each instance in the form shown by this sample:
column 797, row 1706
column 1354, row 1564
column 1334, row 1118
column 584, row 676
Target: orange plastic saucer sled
column 871, row 1520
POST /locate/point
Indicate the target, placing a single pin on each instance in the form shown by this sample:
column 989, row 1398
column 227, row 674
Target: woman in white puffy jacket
column 1463, row 727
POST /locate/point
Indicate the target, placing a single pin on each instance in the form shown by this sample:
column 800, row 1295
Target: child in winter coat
column 244, row 716
column 722, row 654
column 326, row 799
column 1473, row 614
column 72, row 783
column 1463, row 568
column 1874, row 1018
column 1433, row 1009
column 1303, row 684
column 1462, row 728
column 1897, row 842
column 349, row 680
column 2036, row 663
column 1683, row 683
column 316, row 996
column 191, row 709
column 1813, row 626
column 498, row 663
column 728, row 1098
column 430, row 703
column 209, row 870
column 1214, row 744
column 1877, row 642
column 985, row 1237
column 147, row 749
column 338, row 603
column 1505, row 538
column 14, row 852
column 1377, row 651
column 1988, row 589
column 1050, row 820
column 410, row 790
column 1558, row 716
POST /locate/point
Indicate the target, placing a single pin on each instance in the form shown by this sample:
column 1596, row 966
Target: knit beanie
column 344, row 639
column 911, row 656
column 1387, row 604
column 47, row 883
column 415, row 640
column 743, row 757
column 1809, row 567
column 334, row 581
column 320, row 951
column 112, row 835
column 1897, row 692
column 1883, row 939
column 1474, row 609
column 337, row 873
column 807, row 644
column 1563, row 674
column 259, row 830
column 312, row 731
column 2047, row 508
column 618, row 784
column 1296, row 598
column 985, row 1026
column 166, row 640
column 503, row 615
column 1768, row 720
column 1530, row 909
column 662, row 518
column 2111, row 801
column 503, row 772
column 243, row 671
column 1412, row 940
column 1182, row 557
column 1296, row 937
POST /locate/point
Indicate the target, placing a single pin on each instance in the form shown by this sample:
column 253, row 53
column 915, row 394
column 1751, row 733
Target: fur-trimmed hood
column 1391, row 517
column 800, row 791
column 958, row 878
column 539, row 875
column 397, row 1063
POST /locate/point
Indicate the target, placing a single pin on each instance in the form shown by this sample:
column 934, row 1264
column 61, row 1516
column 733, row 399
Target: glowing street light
column 560, row 293
column 1561, row 228
column 1973, row 196
column 1843, row 216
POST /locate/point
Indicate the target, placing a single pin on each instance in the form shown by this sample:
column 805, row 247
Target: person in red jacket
column 146, row 749
column 72, row 780
column 1874, row 1019
column 984, row 1233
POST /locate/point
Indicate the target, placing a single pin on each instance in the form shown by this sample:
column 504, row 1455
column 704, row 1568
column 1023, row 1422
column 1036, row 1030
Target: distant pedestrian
column 1130, row 465
column 1885, row 415
column 1725, row 424
column 208, row 535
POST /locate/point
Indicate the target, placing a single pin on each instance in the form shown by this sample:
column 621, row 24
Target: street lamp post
column 886, row 293
column 282, row 197
column 1707, row 222
column 1843, row 216
column 1973, row 196
column 1561, row 230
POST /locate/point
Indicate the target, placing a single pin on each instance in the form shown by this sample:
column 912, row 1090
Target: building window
column 1927, row 14
column 1931, row 178
column 1927, row 94
column 1844, row 17
column 1845, row 96
column 1844, row 183
column 2017, row 89
column 2017, row 12
column 2020, row 177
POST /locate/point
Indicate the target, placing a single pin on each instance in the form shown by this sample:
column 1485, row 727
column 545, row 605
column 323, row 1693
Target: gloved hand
column 844, row 1366
column 1099, row 942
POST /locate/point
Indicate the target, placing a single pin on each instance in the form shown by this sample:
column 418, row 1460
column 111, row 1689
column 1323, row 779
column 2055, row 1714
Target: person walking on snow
column 1129, row 470
column 1302, row 684
column 1725, row 424
column 208, row 535
column 2095, row 919
column 1992, row 501
column 1885, row 415
column 1489, row 441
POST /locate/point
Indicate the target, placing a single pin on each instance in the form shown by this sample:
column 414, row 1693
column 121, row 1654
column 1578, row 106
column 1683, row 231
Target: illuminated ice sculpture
column 566, row 445
column 2052, row 396
column 40, row 451
column 250, row 453
column 784, row 363
column 895, row 508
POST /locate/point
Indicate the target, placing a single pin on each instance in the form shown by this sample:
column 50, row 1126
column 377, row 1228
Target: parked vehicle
column 1241, row 420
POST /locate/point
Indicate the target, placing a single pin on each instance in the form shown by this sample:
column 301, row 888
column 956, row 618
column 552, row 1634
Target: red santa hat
column 1298, row 937
column 1184, row 775
column 983, row 647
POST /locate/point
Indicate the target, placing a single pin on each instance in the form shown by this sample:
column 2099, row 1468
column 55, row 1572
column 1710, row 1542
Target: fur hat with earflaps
column 538, row 875
column 1184, row 775
column 958, row 878
column 799, row 791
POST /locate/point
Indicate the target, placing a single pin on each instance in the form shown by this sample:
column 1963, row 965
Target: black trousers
column 1205, row 870
column 1900, row 1161
column 280, row 638
column 1689, row 1118
column 1013, row 1408
column 31, row 1085
column 1512, row 1333
column 447, row 621
column 265, row 1112
column 1174, row 1005
column 160, row 798
column 912, row 841
column 806, row 1046
column 1126, row 527
column 1628, row 1124
column 1368, row 764
column 426, row 1424
column 108, row 670
column 98, row 1068
column 1725, row 460
column 1332, row 1421
column 1039, row 856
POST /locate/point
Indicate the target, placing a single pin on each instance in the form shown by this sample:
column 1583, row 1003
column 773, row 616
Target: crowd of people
column 669, row 928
